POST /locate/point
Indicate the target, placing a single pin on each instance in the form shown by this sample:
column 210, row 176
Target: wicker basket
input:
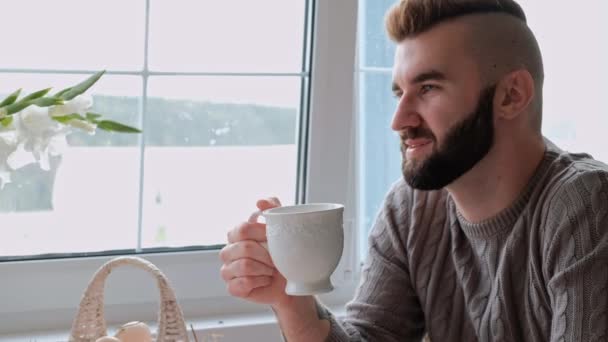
column 90, row 324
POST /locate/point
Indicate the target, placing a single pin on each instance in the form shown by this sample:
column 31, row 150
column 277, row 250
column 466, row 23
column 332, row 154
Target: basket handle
column 90, row 324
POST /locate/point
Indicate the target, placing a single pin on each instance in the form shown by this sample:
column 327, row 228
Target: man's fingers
column 242, row 286
column 245, row 249
column 245, row 268
column 247, row 231
column 271, row 202
column 252, row 230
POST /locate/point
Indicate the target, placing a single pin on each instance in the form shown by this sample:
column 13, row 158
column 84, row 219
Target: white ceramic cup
column 305, row 243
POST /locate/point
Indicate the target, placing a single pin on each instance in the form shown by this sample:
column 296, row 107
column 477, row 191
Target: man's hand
column 250, row 274
column 247, row 268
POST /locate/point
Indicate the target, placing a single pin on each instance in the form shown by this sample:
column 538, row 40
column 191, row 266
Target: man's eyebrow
column 422, row 77
column 429, row 75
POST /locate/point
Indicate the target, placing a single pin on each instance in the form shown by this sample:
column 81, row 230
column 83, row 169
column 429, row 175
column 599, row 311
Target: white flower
column 36, row 120
column 37, row 137
column 36, row 133
column 80, row 104
column 8, row 144
column 84, row 125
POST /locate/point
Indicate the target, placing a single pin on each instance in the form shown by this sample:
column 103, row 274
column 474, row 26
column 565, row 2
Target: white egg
column 134, row 332
column 107, row 339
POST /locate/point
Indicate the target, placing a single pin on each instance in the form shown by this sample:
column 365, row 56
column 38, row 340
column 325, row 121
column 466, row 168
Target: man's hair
column 410, row 17
column 499, row 37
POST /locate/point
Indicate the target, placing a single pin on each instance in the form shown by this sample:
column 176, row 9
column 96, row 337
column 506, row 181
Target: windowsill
column 30, row 315
column 254, row 327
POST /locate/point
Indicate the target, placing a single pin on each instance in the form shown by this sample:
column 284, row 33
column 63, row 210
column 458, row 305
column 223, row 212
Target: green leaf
column 16, row 107
column 113, row 126
column 35, row 95
column 92, row 117
column 11, row 98
column 6, row 121
column 47, row 101
column 59, row 94
column 40, row 102
column 81, row 87
column 66, row 118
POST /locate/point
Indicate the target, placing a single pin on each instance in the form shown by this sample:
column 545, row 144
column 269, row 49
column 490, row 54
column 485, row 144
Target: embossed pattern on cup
column 305, row 243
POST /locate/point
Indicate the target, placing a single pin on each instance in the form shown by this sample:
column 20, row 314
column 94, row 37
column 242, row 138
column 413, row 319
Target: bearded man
column 494, row 233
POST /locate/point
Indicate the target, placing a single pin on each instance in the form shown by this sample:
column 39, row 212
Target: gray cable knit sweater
column 538, row 271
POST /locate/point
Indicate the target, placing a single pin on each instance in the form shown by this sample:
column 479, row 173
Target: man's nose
column 405, row 115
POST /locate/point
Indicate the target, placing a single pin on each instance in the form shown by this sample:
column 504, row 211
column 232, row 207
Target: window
column 234, row 101
column 219, row 111
column 573, row 114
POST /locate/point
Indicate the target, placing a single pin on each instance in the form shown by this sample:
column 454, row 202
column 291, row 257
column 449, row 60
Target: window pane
column 376, row 49
column 87, row 201
column 212, row 149
column 379, row 147
column 73, row 34
column 227, row 36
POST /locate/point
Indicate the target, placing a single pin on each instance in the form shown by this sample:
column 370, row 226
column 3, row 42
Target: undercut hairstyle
column 499, row 37
column 410, row 17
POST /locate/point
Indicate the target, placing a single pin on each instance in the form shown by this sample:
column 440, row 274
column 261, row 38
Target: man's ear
column 514, row 93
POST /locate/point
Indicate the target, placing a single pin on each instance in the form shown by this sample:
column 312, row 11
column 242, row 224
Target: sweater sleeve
column 385, row 307
column 576, row 259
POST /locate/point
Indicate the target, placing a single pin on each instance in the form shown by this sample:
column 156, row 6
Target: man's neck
column 497, row 180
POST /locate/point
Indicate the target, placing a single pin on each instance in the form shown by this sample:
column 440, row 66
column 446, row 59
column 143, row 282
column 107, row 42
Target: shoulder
column 576, row 180
column 577, row 210
column 576, row 185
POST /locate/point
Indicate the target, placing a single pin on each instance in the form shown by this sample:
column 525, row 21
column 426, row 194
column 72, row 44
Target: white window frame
column 44, row 294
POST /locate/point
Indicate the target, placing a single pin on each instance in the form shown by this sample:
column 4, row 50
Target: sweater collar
column 505, row 219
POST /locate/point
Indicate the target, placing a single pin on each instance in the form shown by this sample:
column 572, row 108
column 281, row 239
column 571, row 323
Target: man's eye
column 426, row 88
column 397, row 95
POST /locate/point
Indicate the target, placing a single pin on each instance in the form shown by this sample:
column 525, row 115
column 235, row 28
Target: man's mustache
column 416, row 133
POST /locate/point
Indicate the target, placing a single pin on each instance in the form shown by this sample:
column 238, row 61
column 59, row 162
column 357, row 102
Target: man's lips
column 415, row 143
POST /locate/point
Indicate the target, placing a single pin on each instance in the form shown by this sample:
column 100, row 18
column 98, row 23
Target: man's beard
column 464, row 145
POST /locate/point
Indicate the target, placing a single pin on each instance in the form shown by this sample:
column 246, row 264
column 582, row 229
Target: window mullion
column 142, row 123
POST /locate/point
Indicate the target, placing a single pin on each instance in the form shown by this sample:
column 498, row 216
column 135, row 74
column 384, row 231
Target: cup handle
column 254, row 219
